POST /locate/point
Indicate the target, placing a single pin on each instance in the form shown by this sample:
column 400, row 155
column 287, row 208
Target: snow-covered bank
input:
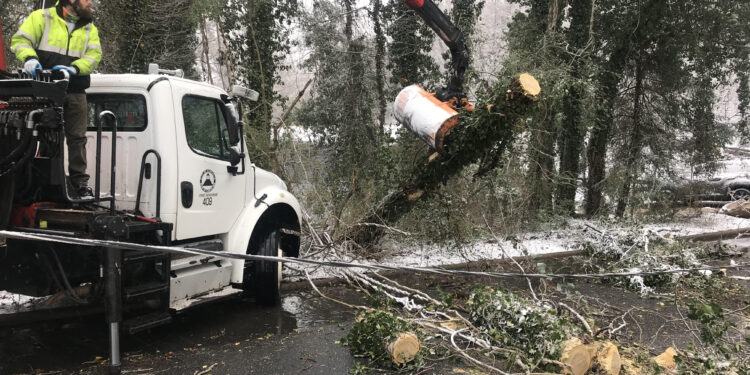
column 567, row 236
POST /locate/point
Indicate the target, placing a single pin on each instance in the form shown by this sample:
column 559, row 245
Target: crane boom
column 453, row 38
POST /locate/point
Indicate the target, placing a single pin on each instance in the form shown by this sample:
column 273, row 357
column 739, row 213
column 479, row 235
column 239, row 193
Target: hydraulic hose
column 30, row 151
column 27, row 136
column 18, row 150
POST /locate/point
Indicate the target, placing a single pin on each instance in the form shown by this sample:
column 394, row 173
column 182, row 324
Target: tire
column 262, row 279
column 741, row 194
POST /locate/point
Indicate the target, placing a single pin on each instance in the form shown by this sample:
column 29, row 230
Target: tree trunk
column 596, row 153
column 541, row 166
column 379, row 62
column 635, row 144
column 206, row 55
column 573, row 130
column 571, row 141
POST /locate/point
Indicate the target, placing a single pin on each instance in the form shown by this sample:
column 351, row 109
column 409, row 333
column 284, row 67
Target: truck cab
column 168, row 166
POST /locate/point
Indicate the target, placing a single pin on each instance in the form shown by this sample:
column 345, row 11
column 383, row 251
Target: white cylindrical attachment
column 426, row 116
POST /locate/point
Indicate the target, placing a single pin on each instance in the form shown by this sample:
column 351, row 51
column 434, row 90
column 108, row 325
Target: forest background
column 635, row 95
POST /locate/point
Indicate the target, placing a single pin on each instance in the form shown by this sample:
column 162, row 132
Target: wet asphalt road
column 230, row 337
column 302, row 336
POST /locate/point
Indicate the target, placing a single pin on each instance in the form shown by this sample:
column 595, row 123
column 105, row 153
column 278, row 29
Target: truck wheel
column 262, row 279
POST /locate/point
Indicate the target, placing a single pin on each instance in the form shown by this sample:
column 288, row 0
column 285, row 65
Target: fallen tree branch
column 580, row 318
column 713, row 236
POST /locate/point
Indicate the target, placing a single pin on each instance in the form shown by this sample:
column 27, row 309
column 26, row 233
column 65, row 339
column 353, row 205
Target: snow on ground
column 705, row 222
column 14, row 303
column 565, row 236
column 558, row 237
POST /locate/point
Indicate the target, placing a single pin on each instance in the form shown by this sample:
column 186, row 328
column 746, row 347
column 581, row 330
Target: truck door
column 210, row 198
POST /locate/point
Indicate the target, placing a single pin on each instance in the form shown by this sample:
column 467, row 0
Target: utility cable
column 342, row 264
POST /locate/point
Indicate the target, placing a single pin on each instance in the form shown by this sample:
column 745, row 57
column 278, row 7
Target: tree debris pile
column 384, row 339
column 635, row 251
column 510, row 320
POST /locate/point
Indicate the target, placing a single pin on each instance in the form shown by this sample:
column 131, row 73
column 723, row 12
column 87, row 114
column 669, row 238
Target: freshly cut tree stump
column 404, row 348
column 578, row 356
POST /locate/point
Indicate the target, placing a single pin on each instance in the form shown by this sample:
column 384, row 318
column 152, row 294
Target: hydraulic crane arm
column 454, row 39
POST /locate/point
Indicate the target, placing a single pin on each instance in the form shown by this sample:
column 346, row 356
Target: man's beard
column 83, row 13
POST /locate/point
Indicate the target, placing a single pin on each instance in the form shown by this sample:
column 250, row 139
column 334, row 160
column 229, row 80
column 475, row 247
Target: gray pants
column 76, row 113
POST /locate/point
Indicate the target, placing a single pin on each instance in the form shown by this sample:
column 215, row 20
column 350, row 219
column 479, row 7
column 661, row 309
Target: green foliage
column 12, row 15
column 258, row 37
column 409, row 49
column 509, row 320
column 146, row 31
column 711, row 317
column 371, row 332
column 465, row 14
column 339, row 113
column 637, row 75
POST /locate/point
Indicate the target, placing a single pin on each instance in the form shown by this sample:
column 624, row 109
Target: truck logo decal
column 208, row 181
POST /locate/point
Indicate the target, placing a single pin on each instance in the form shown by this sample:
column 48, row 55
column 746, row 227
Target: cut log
column 404, row 348
column 739, row 208
column 578, row 356
column 666, row 360
column 608, row 359
column 527, row 86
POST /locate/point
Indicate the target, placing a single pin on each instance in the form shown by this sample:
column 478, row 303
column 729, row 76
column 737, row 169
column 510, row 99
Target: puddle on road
column 310, row 310
column 68, row 345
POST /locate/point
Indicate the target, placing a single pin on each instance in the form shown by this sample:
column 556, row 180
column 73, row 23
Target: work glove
column 72, row 70
column 31, row 66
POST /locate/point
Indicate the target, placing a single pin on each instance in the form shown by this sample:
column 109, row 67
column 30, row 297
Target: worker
column 64, row 38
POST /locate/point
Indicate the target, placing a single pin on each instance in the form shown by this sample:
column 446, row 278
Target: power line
column 342, row 264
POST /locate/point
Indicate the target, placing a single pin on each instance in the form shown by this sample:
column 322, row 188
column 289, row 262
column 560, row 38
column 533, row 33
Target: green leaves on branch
column 510, row 320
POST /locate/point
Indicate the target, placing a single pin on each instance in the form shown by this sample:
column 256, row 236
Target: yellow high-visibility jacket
column 44, row 36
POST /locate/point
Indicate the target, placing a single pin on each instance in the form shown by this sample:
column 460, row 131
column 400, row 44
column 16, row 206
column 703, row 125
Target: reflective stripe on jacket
column 44, row 35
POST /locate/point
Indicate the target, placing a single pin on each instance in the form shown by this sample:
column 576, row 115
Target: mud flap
column 7, row 188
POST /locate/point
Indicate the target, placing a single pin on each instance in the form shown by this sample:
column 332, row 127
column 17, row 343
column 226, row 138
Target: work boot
column 85, row 192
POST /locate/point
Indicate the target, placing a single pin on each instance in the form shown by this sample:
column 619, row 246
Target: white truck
column 176, row 174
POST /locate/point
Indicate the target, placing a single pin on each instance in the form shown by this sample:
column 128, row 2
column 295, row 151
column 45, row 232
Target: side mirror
column 235, row 156
column 233, row 123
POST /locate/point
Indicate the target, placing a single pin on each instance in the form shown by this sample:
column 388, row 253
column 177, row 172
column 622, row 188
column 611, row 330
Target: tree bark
column 377, row 8
column 596, row 153
column 635, row 145
column 541, row 171
column 574, row 131
column 206, row 55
